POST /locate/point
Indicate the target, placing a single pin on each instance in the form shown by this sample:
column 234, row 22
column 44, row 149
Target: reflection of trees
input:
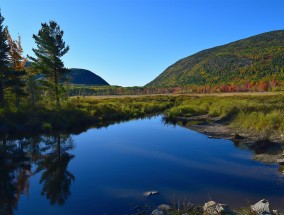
column 15, row 170
column 56, row 178
column 51, row 156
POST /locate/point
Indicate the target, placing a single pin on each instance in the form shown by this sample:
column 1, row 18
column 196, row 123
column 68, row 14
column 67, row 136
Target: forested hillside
column 85, row 77
column 255, row 59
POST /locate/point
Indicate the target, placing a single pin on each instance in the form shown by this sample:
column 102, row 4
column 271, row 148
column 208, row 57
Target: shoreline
column 266, row 151
column 214, row 208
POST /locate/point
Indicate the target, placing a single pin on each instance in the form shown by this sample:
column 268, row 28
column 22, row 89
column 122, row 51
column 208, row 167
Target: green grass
column 80, row 113
column 258, row 115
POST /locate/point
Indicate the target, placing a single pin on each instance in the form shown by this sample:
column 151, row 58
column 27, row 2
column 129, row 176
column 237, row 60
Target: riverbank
column 213, row 208
column 78, row 114
column 266, row 151
column 257, row 117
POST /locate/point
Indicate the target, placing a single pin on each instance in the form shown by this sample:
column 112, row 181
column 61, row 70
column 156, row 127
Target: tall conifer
column 50, row 49
column 4, row 60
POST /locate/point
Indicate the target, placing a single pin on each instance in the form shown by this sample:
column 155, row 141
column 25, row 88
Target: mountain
column 80, row 76
column 256, row 58
column 86, row 77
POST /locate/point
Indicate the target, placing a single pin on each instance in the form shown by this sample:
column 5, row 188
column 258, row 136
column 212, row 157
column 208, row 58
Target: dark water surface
column 106, row 171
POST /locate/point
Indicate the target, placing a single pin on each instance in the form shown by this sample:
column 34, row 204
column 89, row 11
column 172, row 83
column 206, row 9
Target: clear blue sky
column 130, row 42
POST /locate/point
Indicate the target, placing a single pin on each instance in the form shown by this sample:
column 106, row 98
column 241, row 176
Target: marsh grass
column 80, row 112
column 258, row 115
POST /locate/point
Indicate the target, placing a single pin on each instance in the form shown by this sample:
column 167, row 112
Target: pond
column 107, row 170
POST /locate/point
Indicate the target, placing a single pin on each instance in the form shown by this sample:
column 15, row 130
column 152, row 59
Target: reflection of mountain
column 55, row 177
column 50, row 156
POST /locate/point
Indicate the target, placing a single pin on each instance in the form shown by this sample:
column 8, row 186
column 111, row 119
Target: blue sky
column 130, row 42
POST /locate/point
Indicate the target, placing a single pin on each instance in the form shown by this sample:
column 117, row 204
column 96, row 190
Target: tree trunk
column 1, row 93
column 18, row 97
column 58, row 146
column 32, row 95
column 56, row 89
column 33, row 99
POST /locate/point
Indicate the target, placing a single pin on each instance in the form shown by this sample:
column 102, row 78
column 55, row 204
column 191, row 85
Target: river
column 107, row 170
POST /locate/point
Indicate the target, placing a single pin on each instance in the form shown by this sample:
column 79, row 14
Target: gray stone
column 209, row 207
column 150, row 193
column 158, row 212
column 275, row 212
column 213, row 208
column 165, row 207
column 261, row 207
column 223, row 209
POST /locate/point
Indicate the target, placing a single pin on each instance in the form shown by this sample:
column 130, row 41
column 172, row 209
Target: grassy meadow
column 261, row 115
column 256, row 115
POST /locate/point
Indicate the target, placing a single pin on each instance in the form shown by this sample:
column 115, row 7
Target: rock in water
column 165, row 207
column 261, row 207
column 158, row 212
column 275, row 212
column 212, row 208
column 150, row 193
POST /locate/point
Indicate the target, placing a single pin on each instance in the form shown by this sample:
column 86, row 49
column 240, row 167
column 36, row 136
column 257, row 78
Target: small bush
column 46, row 126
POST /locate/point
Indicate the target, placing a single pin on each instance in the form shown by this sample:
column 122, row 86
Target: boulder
column 275, row 212
column 262, row 207
column 157, row 212
column 165, row 207
column 150, row 193
column 213, row 208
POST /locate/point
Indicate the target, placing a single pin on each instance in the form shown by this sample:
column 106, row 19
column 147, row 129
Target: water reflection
column 48, row 154
column 55, row 177
column 264, row 151
column 125, row 163
column 15, row 170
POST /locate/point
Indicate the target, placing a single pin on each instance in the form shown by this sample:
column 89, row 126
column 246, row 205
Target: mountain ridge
column 250, row 59
column 85, row 77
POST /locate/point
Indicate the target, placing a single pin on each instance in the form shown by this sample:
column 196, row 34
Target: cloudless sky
column 130, row 42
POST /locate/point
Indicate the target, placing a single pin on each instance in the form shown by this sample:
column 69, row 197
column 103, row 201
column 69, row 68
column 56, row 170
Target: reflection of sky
column 115, row 165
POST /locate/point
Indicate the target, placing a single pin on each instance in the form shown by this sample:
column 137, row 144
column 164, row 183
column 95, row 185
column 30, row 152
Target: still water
column 107, row 170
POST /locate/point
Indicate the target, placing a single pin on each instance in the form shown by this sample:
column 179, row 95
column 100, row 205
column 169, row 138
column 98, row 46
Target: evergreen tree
column 50, row 49
column 17, row 62
column 4, row 60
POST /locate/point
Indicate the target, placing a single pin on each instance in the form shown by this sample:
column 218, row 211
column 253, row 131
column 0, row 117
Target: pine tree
column 17, row 62
column 50, row 49
column 4, row 60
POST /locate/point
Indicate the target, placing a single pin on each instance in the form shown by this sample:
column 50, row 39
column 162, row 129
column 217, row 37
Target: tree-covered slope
column 86, row 77
column 256, row 58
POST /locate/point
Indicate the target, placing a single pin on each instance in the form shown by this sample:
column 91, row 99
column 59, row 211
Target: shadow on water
column 49, row 155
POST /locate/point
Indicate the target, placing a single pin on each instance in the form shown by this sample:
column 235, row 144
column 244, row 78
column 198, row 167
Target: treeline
column 41, row 83
column 261, row 86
